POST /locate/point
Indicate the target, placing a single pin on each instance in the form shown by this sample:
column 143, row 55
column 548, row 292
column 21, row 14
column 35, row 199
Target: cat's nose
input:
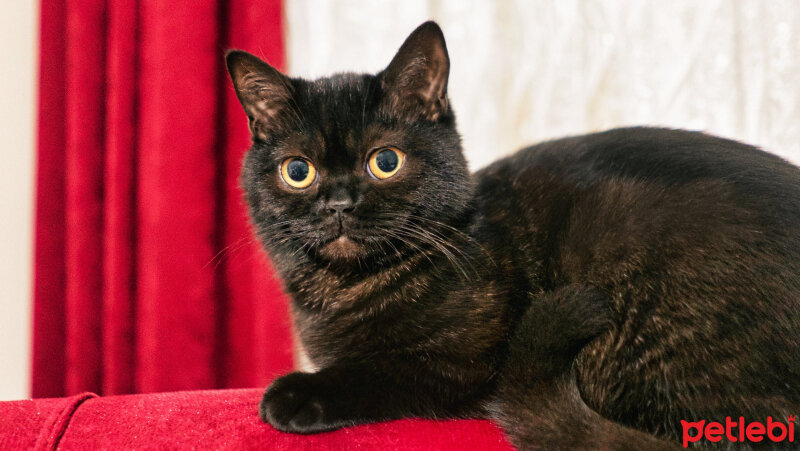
column 340, row 206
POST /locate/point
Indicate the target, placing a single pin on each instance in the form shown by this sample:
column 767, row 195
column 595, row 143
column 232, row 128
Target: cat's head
column 348, row 166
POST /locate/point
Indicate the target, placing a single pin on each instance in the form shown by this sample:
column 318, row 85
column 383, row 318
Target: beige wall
column 524, row 71
column 19, row 53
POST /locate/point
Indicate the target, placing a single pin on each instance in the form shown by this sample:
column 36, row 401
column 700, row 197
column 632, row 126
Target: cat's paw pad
column 295, row 403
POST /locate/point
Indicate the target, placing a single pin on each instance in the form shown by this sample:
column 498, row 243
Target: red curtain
column 147, row 277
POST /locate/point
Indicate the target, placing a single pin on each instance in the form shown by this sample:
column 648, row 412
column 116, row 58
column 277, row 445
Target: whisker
column 423, row 235
column 410, row 243
column 228, row 250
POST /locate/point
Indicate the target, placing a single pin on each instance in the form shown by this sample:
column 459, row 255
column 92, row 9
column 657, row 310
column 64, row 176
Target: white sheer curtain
column 525, row 71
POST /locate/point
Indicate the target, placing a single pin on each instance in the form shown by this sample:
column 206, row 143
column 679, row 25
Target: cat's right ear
column 264, row 92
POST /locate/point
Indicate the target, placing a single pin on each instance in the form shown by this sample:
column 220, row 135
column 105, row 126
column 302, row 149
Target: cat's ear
column 264, row 92
column 415, row 83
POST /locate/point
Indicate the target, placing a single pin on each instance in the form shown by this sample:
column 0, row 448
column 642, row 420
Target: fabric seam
column 51, row 434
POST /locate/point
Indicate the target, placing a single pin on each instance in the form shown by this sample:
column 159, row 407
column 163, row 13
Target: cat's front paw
column 301, row 403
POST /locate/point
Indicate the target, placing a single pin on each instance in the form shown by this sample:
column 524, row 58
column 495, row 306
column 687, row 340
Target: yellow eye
column 298, row 172
column 385, row 162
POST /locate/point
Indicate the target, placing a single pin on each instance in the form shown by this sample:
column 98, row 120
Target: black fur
column 588, row 292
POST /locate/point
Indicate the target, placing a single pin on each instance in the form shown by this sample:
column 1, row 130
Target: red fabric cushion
column 37, row 423
column 214, row 419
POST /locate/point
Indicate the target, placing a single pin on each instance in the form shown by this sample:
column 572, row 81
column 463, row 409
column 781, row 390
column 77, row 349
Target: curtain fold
column 147, row 277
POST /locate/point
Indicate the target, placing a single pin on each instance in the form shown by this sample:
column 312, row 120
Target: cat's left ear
column 415, row 82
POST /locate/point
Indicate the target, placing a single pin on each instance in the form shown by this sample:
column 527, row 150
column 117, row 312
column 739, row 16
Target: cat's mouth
column 343, row 240
column 341, row 248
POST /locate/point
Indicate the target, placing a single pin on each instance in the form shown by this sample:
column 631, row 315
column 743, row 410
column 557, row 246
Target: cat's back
column 603, row 207
column 658, row 158
column 656, row 154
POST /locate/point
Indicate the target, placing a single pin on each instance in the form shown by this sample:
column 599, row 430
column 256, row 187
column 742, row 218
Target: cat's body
column 635, row 277
column 695, row 240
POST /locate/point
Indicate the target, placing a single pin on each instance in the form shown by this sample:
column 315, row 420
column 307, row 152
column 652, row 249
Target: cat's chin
column 342, row 248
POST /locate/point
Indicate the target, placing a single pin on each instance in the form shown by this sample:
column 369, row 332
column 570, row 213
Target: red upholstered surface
column 213, row 419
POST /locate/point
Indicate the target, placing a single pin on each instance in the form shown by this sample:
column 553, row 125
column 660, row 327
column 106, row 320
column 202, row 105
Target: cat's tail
column 538, row 404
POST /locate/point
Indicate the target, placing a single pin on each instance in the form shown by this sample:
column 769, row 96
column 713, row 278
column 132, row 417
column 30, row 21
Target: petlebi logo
column 739, row 431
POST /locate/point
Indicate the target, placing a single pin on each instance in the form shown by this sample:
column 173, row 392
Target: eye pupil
column 297, row 170
column 386, row 160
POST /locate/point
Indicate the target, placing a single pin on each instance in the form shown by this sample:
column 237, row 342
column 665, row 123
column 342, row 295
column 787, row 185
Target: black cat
column 588, row 292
